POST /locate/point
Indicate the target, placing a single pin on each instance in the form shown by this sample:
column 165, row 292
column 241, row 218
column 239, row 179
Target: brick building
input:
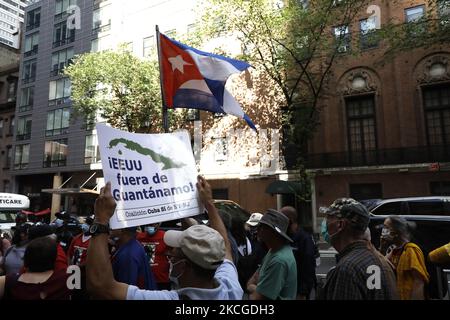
column 385, row 130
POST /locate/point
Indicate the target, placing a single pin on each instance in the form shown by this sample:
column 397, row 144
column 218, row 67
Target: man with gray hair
column 359, row 274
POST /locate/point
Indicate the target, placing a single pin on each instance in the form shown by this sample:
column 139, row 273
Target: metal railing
column 398, row 156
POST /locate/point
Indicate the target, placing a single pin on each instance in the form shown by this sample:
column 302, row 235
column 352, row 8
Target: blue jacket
column 131, row 266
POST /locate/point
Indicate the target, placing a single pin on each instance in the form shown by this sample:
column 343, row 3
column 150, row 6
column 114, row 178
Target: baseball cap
column 254, row 219
column 201, row 244
column 349, row 209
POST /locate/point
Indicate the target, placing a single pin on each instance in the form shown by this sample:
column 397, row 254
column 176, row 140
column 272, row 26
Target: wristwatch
column 98, row 228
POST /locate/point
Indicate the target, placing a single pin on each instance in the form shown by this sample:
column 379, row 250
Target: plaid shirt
column 349, row 279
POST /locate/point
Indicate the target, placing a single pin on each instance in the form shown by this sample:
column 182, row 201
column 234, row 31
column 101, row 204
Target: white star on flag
column 178, row 63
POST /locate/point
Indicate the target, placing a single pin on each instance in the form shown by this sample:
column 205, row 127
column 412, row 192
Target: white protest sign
column 153, row 176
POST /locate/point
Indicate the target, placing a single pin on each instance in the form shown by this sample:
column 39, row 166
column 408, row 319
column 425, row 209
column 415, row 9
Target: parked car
column 439, row 206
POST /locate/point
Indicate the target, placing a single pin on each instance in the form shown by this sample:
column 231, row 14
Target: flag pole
column 165, row 114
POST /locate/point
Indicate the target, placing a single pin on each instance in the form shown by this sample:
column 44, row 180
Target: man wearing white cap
column 200, row 259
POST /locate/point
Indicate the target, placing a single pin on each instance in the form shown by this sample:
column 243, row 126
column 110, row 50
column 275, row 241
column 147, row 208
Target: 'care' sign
column 152, row 176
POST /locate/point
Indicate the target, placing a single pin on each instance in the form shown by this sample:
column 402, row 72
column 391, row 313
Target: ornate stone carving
column 433, row 69
column 357, row 81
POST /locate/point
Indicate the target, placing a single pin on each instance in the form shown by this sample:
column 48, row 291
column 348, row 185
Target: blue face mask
column 150, row 230
column 85, row 227
column 325, row 234
column 324, row 231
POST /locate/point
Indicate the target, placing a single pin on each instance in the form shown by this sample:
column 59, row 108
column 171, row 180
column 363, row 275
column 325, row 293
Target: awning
column 39, row 213
column 284, row 187
column 70, row 191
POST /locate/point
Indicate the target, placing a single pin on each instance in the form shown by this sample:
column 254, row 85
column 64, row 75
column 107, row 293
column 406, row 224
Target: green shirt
column 278, row 275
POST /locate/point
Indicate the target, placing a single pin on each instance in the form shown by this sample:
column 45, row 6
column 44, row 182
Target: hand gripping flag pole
column 195, row 79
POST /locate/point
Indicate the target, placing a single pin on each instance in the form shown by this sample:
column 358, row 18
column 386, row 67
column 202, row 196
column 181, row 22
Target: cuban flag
column 195, row 79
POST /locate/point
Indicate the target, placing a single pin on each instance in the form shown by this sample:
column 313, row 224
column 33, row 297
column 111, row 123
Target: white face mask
column 386, row 234
column 174, row 279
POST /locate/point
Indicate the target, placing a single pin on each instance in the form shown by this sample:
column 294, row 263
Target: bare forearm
column 252, row 282
column 216, row 223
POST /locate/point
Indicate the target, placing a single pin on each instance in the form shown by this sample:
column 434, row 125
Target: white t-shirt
column 228, row 289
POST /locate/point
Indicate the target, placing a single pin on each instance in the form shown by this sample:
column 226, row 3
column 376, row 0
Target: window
column 14, row 12
column 62, row 35
column 440, row 188
column 364, row 191
column 59, row 91
column 12, row 89
column 361, row 129
column 149, row 46
column 193, row 114
column 6, row 186
column 129, row 46
column 101, row 44
column 3, row 40
column 413, row 17
column 191, row 28
column 8, row 158
column 414, row 14
column 444, row 12
column 26, row 99
column 33, row 19
column 343, row 40
column 55, row 153
column 23, row 128
column 57, row 122
column 60, row 60
column 390, row 208
column 435, row 207
column 368, row 36
column 61, row 8
column 304, row 3
column 221, row 152
column 101, row 19
column 31, row 44
column 22, row 156
column 171, row 33
column 29, row 71
column 91, row 150
column 11, row 125
column 437, row 114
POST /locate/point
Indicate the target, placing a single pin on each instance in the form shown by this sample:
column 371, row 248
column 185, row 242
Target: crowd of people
column 269, row 257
